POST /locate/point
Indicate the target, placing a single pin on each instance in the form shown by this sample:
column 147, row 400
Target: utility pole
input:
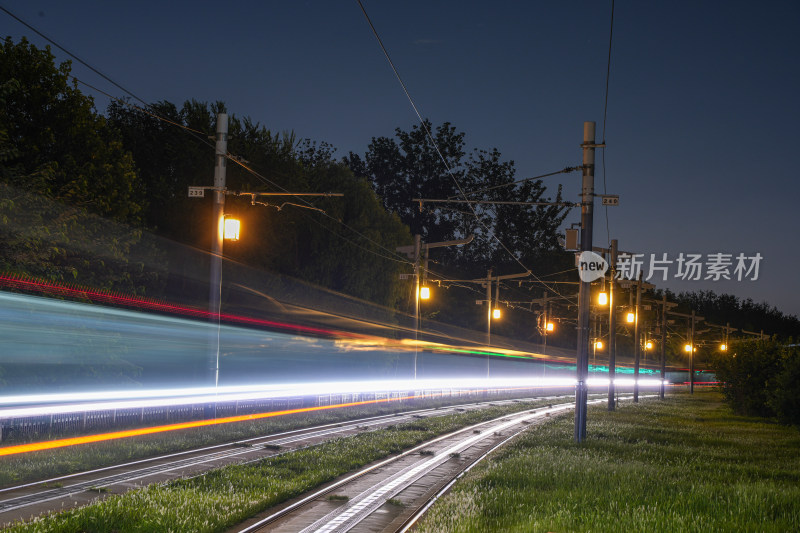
column 691, row 358
column 637, row 349
column 218, row 219
column 414, row 252
column 489, row 308
column 663, row 342
column 612, row 327
column 584, row 294
column 417, row 243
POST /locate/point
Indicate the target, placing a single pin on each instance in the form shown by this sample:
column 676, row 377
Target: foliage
column 762, row 377
column 67, row 188
column 685, row 464
column 344, row 249
column 411, row 166
column 740, row 313
column 61, row 147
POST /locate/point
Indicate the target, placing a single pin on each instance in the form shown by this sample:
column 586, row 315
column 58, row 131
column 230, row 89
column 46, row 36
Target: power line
column 76, row 58
column 605, row 116
column 493, row 187
column 436, row 147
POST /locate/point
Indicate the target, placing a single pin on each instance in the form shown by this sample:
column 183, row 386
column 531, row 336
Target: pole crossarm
column 684, row 315
column 254, row 194
column 410, row 249
column 421, row 201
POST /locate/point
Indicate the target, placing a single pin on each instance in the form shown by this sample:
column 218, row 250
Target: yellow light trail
column 101, row 437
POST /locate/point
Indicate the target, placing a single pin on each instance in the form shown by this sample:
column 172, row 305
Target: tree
column 344, row 251
column 411, row 166
column 67, row 187
column 62, row 148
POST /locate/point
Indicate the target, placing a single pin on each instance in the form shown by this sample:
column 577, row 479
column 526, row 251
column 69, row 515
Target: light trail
column 102, row 437
column 50, row 404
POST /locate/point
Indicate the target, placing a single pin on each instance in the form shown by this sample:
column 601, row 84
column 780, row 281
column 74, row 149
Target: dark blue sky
column 703, row 114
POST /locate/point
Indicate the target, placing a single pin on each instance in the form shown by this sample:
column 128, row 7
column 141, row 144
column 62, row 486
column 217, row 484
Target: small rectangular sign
column 197, row 192
column 610, row 199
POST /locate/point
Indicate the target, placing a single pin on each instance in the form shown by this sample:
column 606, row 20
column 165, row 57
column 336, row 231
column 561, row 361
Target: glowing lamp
column 496, row 313
column 231, row 229
column 631, row 317
column 602, row 298
column 424, row 293
column 648, row 345
column 687, row 348
column 599, row 345
column 723, row 347
column 550, row 326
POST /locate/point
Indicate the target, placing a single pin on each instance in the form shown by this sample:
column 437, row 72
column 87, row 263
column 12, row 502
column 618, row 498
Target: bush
column 762, row 378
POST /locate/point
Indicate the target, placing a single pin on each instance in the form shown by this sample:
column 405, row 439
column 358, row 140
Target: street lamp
column 631, row 318
column 550, row 327
column 602, row 298
column 687, row 348
column 231, row 229
column 648, row 345
column 424, row 293
column 723, row 347
column 496, row 313
column 598, row 345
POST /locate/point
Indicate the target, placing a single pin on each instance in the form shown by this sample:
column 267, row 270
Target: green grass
column 224, row 497
column 53, row 463
column 685, row 464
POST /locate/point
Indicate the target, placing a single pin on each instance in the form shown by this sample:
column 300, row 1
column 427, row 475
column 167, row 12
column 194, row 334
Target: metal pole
column 417, row 245
column 489, row 306
column 637, row 349
column 691, row 359
column 218, row 218
column 663, row 342
column 587, row 213
column 496, row 303
column 612, row 328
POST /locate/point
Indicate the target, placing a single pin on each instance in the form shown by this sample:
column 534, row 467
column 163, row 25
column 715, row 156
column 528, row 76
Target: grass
column 53, row 463
column 224, row 497
column 685, row 464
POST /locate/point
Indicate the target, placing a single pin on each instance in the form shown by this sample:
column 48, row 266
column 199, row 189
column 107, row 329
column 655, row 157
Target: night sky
column 703, row 115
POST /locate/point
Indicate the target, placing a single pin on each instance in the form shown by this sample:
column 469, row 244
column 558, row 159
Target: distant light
column 231, row 232
column 496, row 313
column 648, row 345
column 631, row 317
column 550, row 326
column 723, row 347
column 599, row 345
column 424, row 293
column 602, row 298
column 687, row 348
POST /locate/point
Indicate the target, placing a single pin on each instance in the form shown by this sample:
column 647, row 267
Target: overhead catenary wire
column 202, row 137
column 436, row 147
column 605, row 117
column 199, row 135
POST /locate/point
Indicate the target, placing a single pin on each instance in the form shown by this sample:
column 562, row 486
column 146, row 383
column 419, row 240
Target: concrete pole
column 691, row 359
column 612, row 327
column 496, row 303
column 417, row 248
column 637, row 349
column 489, row 308
column 584, row 294
column 663, row 342
column 218, row 219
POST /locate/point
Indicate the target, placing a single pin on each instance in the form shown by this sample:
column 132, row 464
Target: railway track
column 32, row 499
column 391, row 495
